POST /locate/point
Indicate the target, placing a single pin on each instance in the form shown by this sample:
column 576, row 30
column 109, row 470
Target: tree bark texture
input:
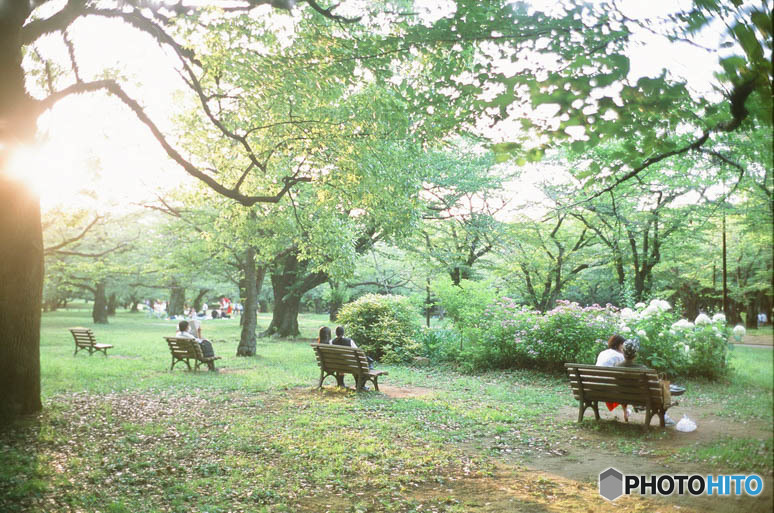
column 176, row 301
column 21, row 293
column 99, row 312
column 249, row 318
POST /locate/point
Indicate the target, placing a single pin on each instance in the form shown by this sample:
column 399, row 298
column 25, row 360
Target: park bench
column 84, row 339
column 187, row 350
column 339, row 360
column 626, row 385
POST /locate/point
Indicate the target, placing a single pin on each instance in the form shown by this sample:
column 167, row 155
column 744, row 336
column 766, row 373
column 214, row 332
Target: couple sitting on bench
column 324, row 337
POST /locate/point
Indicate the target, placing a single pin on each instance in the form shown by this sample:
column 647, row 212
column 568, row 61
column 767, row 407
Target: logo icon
column 610, row 484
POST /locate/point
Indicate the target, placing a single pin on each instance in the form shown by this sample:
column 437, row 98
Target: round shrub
column 385, row 327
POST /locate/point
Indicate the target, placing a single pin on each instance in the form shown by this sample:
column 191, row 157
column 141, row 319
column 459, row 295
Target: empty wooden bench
column 187, row 350
column 84, row 339
column 633, row 386
column 339, row 360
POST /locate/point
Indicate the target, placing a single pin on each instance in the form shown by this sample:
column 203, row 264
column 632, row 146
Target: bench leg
column 648, row 417
column 340, row 380
column 595, row 407
column 661, row 418
column 581, row 410
column 375, row 381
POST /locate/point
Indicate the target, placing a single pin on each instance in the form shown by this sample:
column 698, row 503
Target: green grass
column 123, row 433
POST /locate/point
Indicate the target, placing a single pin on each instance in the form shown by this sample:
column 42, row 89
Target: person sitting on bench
column 183, row 331
column 341, row 340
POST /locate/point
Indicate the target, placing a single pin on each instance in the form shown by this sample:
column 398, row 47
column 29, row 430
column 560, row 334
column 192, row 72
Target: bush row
column 497, row 333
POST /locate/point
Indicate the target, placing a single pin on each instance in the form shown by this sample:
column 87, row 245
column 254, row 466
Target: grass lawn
column 123, row 433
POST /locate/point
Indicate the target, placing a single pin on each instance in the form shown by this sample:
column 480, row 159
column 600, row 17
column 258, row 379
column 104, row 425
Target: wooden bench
column 626, row 385
column 84, row 339
column 339, row 360
column 187, row 350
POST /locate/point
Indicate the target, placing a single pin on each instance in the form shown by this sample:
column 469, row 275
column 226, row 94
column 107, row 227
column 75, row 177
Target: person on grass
column 611, row 357
column 184, row 331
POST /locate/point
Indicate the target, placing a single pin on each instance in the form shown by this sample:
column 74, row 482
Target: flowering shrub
column 678, row 347
column 385, row 327
column 506, row 335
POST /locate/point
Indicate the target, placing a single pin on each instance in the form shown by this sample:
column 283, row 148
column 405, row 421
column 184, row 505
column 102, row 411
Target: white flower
column 719, row 317
column 739, row 331
column 655, row 306
column 686, row 348
column 639, row 305
column 702, row 319
column 682, row 324
column 627, row 314
column 642, row 334
column 625, row 329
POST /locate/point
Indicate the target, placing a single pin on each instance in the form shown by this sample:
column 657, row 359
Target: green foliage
column 678, row 347
column 385, row 327
column 466, row 303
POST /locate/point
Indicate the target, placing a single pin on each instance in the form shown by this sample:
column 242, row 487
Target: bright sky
column 94, row 143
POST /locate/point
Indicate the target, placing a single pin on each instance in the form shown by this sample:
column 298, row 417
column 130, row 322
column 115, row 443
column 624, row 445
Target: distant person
column 611, row 357
column 184, row 331
column 214, row 313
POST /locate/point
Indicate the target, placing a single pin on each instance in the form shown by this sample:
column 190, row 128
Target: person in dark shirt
column 341, row 340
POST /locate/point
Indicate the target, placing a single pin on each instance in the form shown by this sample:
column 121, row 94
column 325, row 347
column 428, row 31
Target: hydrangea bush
column 678, row 346
column 507, row 335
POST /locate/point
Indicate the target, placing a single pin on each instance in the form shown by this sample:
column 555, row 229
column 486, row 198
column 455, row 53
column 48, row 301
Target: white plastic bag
column 686, row 425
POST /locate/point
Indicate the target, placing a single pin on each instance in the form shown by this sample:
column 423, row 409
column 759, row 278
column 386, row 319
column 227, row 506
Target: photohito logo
column 613, row 484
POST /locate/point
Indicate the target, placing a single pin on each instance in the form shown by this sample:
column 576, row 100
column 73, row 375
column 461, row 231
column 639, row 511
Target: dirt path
column 568, row 482
column 758, row 340
column 583, row 464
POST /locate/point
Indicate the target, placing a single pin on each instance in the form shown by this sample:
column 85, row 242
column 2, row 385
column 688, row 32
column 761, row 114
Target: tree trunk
column 290, row 282
column 111, row 304
column 284, row 318
column 21, row 293
column 176, row 301
column 197, row 302
column 249, row 318
column 751, row 319
column 99, row 312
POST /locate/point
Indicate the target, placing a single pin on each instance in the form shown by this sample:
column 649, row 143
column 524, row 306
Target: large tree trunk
column 249, row 318
column 21, row 292
column 290, row 282
column 176, row 301
column 99, row 312
column 111, row 304
column 21, row 239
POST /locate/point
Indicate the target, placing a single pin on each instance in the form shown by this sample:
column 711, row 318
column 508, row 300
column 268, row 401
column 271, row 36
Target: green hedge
column 385, row 327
